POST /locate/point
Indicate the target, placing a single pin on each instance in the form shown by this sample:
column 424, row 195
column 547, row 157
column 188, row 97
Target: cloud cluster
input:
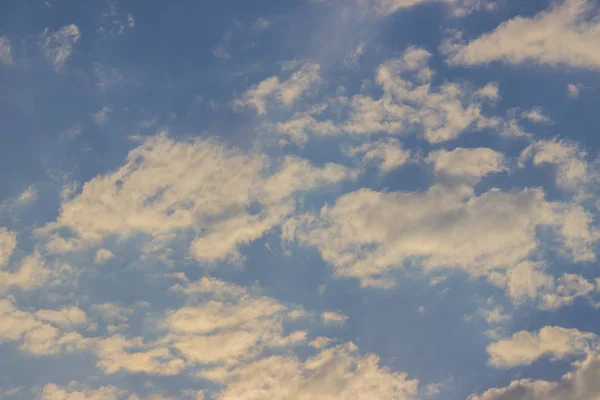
column 567, row 33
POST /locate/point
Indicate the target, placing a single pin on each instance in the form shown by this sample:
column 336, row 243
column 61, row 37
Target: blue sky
column 312, row 199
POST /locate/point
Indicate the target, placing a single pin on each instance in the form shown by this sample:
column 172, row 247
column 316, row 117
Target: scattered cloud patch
column 567, row 33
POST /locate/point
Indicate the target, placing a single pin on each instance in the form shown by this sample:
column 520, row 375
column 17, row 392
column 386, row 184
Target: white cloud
column 66, row 318
column 410, row 102
column 75, row 391
column 568, row 288
column 31, row 274
column 5, row 51
column 101, row 116
column 130, row 21
column 367, row 233
column 458, row 8
column 305, row 76
column 28, row 195
column 524, row 348
column 535, row 115
column 387, row 154
column 117, row 353
column 103, row 255
column 336, row 373
column 494, row 315
column 573, row 90
column 572, row 169
column 351, row 59
column 489, row 91
column 566, row 33
column 332, row 317
column 467, row 162
column 36, row 336
column 58, row 45
column 167, row 186
column 8, row 244
column 580, row 384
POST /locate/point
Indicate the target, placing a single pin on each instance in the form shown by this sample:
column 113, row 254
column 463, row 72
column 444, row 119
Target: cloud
column 305, row 76
column 76, row 391
column 535, row 115
column 8, row 244
column 169, row 187
column 580, row 384
column 334, row 318
column 494, row 315
column 31, row 274
column 5, row 51
column 387, row 155
column 59, row 45
column 573, row 90
column 101, row 116
column 351, row 59
column 565, row 34
column 103, row 255
column 44, row 332
column 366, row 233
column 466, row 162
column 524, row 348
column 458, row 8
column 573, row 172
column 335, row 373
column 409, row 103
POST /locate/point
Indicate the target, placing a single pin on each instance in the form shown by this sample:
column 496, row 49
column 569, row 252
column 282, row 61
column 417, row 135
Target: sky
column 300, row 199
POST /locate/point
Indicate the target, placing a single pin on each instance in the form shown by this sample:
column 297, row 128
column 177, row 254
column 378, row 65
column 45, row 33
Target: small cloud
column 101, row 116
column 421, row 309
column 5, row 52
column 489, row 92
column 535, row 115
column 30, row 194
column 58, row 45
column 130, row 21
column 73, row 131
column 333, row 318
column 573, row 90
column 433, row 389
column 103, row 255
column 261, row 24
column 221, row 53
column 351, row 59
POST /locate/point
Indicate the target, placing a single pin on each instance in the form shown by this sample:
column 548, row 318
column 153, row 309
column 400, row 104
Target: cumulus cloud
column 366, row 233
column 303, row 77
column 44, row 332
column 386, row 155
column 573, row 90
column 30, row 274
column 466, row 162
column 573, row 172
column 335, row 373
column 410, row 102
column 525, row 347
column 101, row 116
column 332, row 317
column 103, row 255
column 8, row 244
column 535, row 115
column 58, row 45
column 567, row 33
column 76, row 391
column 168, row 186
column 580, row 384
